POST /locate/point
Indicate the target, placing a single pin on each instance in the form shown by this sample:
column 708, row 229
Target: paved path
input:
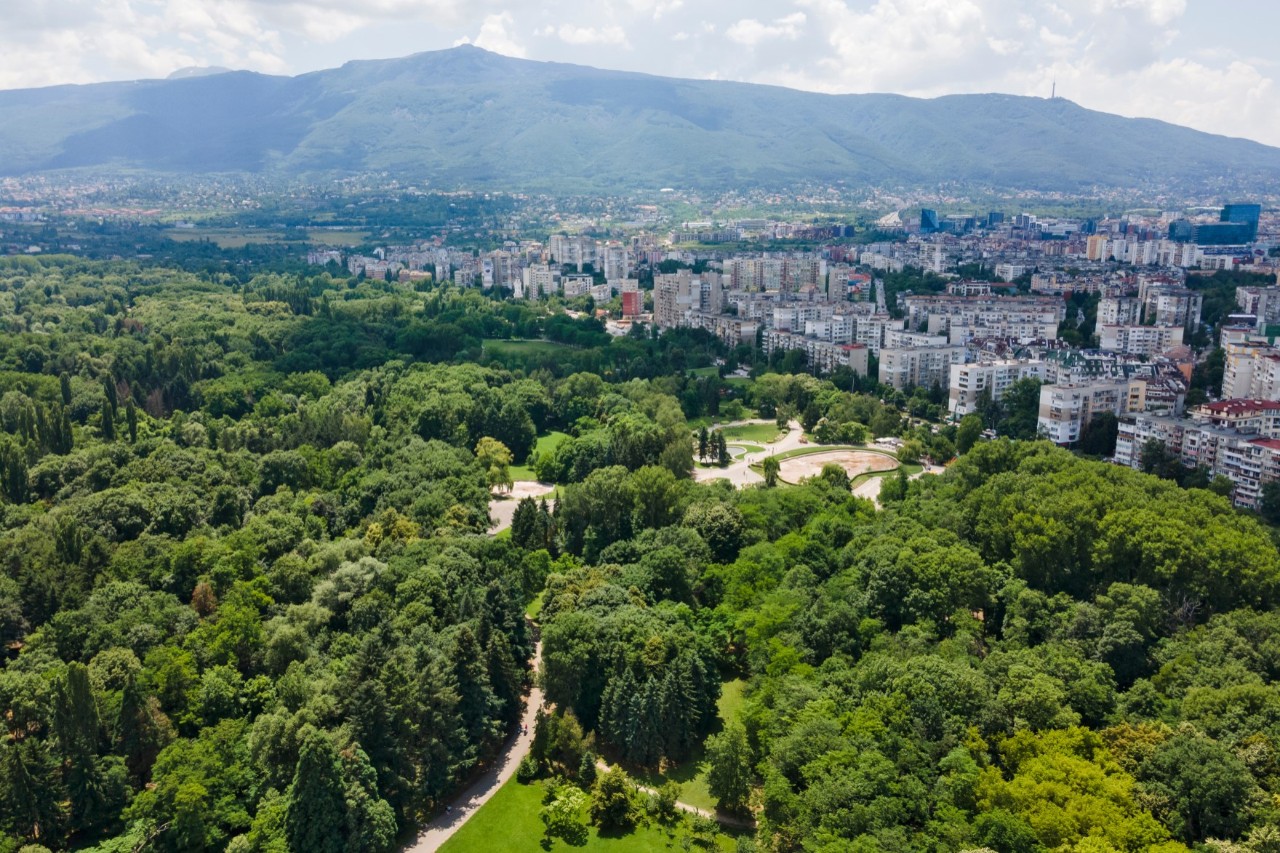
column 502, row 509
column 466, row 804
column 739, row 470
column 718, row 816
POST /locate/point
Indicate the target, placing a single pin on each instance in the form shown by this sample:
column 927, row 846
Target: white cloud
column 614, row 35
column 751, row 32
column 495, row 34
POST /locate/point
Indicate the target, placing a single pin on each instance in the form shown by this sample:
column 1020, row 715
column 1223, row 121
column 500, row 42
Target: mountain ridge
column 468, row 117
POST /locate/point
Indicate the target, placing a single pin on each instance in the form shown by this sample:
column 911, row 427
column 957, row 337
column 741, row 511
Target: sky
column 1200, row 63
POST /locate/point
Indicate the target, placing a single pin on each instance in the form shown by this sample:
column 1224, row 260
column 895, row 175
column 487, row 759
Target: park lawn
column 704, row 371
column 545, row 444
column 498, row 346
column 759, row 433
column 509, row 822
column 534, row 610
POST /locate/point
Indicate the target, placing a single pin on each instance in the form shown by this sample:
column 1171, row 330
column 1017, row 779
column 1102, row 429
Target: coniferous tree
column 317, row 816
column 131, row 418
column 108, row 422
column 703, row 444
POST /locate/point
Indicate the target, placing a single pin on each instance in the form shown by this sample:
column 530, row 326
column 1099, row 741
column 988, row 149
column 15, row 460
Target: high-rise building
column 1243, row 214
column 929, row 223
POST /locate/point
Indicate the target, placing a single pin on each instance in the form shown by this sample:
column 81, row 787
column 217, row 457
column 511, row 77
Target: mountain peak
column 197, row 71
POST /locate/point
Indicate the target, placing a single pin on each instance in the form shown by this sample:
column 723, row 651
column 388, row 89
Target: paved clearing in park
column 854, row 462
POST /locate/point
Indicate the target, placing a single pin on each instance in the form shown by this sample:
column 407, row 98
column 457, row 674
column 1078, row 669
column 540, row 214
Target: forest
column 248, row 602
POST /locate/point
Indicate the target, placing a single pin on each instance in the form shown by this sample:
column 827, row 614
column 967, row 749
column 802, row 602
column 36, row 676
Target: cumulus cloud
column 614, row 35
column 496, row 35
column 751, row 32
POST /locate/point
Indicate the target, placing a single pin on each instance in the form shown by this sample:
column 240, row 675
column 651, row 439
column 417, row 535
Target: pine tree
column 131, row 417
column 527, row 530
column 29, row 796
column 703, row 444
column 108, row 422
column 317, row 816
column 722, row 449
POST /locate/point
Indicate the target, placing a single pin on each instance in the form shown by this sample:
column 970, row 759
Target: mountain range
column 465, row 117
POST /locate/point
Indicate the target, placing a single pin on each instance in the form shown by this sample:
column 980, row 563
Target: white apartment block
column 1252, row 371
column 1263, row 303
column 1119, row 311
column 678, row 296
column 906, row 367
column 538, row 281
column 969, row 382
column 1139, row 340
column 1008, row 271
column 820, row 355
column 871, row 331
column 1066, row 409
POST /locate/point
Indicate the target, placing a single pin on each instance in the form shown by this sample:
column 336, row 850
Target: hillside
column 467, row 117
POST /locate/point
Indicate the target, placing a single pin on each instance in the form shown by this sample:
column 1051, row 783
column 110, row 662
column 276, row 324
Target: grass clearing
column 499, row 346
column 226, row 238
column 545, row 444
column 534, row 610
column 509, row 822
column 758, row 433
column 336, row 237
column 703, row 371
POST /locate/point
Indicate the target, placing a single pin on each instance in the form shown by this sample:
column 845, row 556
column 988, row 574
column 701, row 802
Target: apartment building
column 906, row 367
column 1252, row 371
column 1066, row 409
column 824, row 356
column 678, row 296
column 1237, row 439
column 1139, row 340
column 969, row 382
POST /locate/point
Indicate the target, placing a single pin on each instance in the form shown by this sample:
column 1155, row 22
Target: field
column 854, row 462
column 509, row 823
column 752, row 433
column 546, row 444
column 226, row 238
column 499, row 347
column 336, row 237
column 704, row 371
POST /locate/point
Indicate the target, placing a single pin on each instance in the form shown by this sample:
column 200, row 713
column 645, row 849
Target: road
column 466, row 804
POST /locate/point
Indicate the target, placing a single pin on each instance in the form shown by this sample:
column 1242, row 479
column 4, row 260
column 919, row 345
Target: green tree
column 612, row 805
column 771, row 466
column 495, row 459
column 562, row 816
column 316, row 818
column 729, row 779
column 968, row 433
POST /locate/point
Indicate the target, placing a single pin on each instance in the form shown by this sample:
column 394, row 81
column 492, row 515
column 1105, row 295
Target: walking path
column 720, row 817
column 466, row 804
column 739, row 470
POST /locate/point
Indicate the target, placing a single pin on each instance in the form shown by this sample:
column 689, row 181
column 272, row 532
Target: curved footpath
column 466, row 804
